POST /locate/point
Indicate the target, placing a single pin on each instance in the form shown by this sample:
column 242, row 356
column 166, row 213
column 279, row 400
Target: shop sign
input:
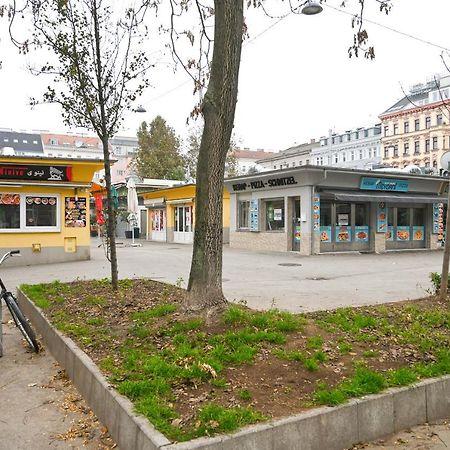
column 254, row 215
column 381, row 217
column 343, row 234
column 361, row 234
column 325, row 234
column 390, row 233
column 316, row 214
column 438, row 220
column 403, row 234
column 383, row 184
column 35, row 172
column 260, row 184
column 75, row 212
column 418, row 233
column 298, row 233
column 342, row 219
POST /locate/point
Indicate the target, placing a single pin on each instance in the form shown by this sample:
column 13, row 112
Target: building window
column 435, row 142
column 417, row 125
column 340, row 139
column 361, row 154
column 386, row 130
column 427, row 122
column 9, row 211
column 244, row 214
column 300, row 163
column 439, row 119
column 366, row 133
column 307, row 161
column 406, row 148
column 386, row 152
column 275, row 215
column 293, row 163
column 53, row 141
column 40, row 211
column 352, row 155
column 344, row 156
column 406, row 127
column 427, row 146
column 395, row 128
column 435, row 164
column 274, row 167
column 336, row 158
column 416, row 147
column 395, row 151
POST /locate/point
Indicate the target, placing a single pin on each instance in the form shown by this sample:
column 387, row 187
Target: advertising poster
column 75, row 212
column 390, row 233
column 316, row 215
column 403, row 234
column 298, row 233
column 418, row 233
column 343, row 234
column 277, row 214
column 343, row 219
column 325, row 234
column 438, row 220
column 381, row 217
column 254, row 215
column 361, row 234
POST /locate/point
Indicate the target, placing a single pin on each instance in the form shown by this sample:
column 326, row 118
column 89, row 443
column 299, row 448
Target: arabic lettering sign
column 75, row 212
column 35, row 172
column 383, row 184
column 381, row 217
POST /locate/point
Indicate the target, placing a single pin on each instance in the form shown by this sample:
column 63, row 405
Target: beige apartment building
column 416, row 129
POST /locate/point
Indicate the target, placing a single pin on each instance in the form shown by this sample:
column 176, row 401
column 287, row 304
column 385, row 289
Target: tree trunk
column 111, row 220
column 445, row 261
column 219, row 104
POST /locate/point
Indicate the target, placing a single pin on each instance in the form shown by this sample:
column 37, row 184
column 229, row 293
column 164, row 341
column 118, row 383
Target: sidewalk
column 40, row 408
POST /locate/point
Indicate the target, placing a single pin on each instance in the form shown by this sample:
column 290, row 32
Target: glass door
column 183, row 225
column 296, row 226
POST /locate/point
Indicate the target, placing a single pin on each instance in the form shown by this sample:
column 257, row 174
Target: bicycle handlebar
column 8, row 254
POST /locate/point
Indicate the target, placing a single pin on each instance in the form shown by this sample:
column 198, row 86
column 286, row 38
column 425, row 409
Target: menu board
column 438, row 219
column 254, row 215
column 75, row 212
column 298, row 233
column 343, row 234
column 325, row 234
column 316, row 215
column 390, row 233
column 418, row 233
column 361, row 234
column 381, row 217
column 403, row 234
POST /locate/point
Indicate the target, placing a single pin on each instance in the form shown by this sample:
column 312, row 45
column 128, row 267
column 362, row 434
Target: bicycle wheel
column 21, row 322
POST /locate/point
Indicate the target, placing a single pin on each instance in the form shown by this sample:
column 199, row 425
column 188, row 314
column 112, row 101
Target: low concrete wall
column 272, row 241
column 323, row 428
column 47, row 255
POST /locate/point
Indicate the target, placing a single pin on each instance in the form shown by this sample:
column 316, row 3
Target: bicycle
column 16, row 313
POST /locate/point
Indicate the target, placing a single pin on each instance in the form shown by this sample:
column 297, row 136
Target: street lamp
column 141, row 109
column 311, row 8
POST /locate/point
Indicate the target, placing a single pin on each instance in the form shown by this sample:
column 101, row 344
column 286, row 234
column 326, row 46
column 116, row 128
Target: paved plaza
column 284, row 280
column 32, row 416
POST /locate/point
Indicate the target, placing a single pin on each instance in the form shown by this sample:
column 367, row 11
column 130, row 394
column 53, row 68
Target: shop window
column 403, row 218
column 40, row 211
column 244, row 214
column 391, row 217
column 275, row 215
column 9, row 211
column 418, row 217
column 360, row 215
column 325, row 214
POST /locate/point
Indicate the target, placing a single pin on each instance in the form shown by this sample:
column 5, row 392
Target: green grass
column 245, row 394
column 314, row 342
column 157, row 311
column 345, row 348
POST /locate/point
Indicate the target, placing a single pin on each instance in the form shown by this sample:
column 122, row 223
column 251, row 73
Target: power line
column 402, row 33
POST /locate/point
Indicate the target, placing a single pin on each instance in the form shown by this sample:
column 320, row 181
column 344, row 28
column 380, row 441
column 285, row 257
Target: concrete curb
column 359, row 420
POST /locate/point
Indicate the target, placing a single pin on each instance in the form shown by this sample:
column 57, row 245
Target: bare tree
column 217, row 106
column 97, row 67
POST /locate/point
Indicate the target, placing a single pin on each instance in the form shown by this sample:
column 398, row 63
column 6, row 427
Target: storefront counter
column 316, row 209
column 44, row 208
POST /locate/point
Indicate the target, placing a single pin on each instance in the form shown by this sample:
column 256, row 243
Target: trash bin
column 137, row 231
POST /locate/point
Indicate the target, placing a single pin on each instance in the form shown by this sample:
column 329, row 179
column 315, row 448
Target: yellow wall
column 181, row 192
column 82, row 172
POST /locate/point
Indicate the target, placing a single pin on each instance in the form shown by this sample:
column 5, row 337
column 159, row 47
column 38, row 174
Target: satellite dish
column 445, row 161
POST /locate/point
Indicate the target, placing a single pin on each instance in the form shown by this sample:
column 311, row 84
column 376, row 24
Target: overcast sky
column 296, row 80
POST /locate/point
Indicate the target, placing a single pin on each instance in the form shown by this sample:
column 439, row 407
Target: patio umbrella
column 132, row 205
column 100, row 218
